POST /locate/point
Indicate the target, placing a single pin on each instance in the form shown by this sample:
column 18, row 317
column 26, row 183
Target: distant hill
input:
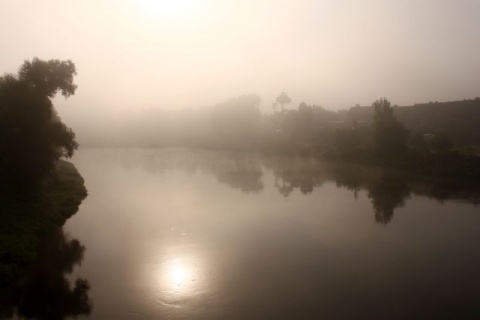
column 460, row 120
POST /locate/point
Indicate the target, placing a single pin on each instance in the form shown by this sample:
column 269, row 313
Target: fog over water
column 182, row 234
column 138, row 55
column 254, row 159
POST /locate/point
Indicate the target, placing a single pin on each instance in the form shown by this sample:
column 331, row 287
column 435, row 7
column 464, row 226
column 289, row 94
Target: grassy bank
column 27, row 216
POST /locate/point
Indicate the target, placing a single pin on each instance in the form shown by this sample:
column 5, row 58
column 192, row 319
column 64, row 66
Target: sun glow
column 173, row 11
column 180, row 276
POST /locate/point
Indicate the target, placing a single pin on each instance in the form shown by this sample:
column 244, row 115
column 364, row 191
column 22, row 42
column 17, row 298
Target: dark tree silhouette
column 32, row 136
column 389, row 136
column 46, row 290
column 441, row 143
column 282, row 100
column 387, row 193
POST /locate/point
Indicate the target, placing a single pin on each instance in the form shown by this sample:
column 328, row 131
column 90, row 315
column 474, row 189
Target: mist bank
column 438, row 139
column 239, row 124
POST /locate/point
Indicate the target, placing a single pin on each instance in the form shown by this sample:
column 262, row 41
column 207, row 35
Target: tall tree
column 282, row 100
column 389, row 136
column 32, row 136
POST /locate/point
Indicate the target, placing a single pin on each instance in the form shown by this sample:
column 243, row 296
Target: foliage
column 441, row 143
column 389, row 136
column 282, row 100
column 305, row 130
column 353, row 144
column 32, row 136
column 25, row 217
column 48, row 77
column 234, row 122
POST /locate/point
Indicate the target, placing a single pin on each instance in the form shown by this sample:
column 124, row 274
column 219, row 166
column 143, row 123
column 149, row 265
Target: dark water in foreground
column 177, row 234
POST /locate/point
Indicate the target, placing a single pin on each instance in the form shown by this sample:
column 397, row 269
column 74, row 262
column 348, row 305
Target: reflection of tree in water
column 43, row 291
column 292, row 173
column 244, row 171
column 387, row 192
column 444, row 190
column 287, row 180
column 349, row 177
column 239, row 172
column 283, row 185
column 386, row 189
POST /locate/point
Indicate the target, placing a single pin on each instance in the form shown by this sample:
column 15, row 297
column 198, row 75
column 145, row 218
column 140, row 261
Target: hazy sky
column 135, row 55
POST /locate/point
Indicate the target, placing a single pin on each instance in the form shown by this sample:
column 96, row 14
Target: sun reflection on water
column 180, row 276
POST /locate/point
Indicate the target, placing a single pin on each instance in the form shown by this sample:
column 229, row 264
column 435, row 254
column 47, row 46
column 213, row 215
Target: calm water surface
column 179, row 234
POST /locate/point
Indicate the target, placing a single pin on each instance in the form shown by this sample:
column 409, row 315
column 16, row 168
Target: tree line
column 33, row 137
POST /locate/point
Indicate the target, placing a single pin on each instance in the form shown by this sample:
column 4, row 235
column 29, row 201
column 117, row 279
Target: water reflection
column 44, row 290
column 178, row 280
column 292, row 173
column 238, row 171
column 387, row 190
column 179, row 276
column 387, row 193
column 213, row 235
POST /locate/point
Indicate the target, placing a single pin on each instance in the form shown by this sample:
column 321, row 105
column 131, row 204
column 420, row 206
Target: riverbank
column 26, row 217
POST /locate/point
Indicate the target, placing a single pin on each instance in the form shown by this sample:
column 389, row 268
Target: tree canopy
column 234, row 122
column 282, row 100
column 389, row 136
column 32, row 136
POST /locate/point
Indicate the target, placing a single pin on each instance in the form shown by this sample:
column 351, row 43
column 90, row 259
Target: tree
column 235, row 121
column 282, row 100
column 32, row 136
column 389, row 136
column 441, row 143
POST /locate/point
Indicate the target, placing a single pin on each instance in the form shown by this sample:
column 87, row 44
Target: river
column 192, row 234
